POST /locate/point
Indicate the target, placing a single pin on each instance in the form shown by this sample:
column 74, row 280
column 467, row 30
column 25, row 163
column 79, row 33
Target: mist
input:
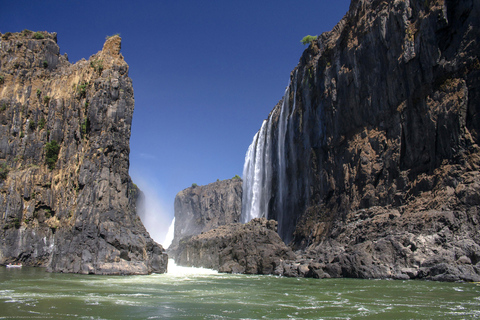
column 153, row 212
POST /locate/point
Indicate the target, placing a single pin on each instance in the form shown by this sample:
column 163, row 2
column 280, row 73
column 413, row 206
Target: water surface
column 32, row 293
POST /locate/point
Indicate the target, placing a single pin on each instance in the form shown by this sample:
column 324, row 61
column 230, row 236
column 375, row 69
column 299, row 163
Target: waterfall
column 269, row 188
column 255, row 188
column 282, row 129
column 170, row 234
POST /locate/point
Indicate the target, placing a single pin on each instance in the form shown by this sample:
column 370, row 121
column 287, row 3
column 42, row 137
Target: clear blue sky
column 205, row 75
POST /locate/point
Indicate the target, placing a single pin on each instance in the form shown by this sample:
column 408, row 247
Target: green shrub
column 85, row 126
column 41, row 123
column 38, row 36
column 3, row 171
column 308, row 39
column 46, row 99
column 4, row 107
column 16, row 223
column 32, row 125
column 51, row 154
column 39, row 93
column 45, row 64
column 97, row 65
column 2, row 79
column 236, row 177
column 82, row 90
column 194, row 185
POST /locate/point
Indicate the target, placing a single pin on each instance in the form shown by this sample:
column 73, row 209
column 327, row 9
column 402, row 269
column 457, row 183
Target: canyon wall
column 202, row 208
column 66, row 199
column 370, row 163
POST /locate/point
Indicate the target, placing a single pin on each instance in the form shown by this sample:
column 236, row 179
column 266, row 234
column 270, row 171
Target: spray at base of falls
column 174, row 270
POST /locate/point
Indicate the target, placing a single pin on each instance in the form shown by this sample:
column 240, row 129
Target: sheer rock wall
column 375, row 147
column 202, row 208
column 66, row 200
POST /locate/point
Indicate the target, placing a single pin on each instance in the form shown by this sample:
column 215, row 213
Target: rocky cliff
column 251, row 248
column 370, row 163
column 66, row 200
column 202, row 208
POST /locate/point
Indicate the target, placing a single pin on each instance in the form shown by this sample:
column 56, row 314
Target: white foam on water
column 174, row 270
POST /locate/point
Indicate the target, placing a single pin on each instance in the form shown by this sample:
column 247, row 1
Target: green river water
column 32, row 293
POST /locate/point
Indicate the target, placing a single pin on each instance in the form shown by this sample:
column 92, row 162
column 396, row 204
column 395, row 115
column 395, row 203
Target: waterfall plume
column 269, row 172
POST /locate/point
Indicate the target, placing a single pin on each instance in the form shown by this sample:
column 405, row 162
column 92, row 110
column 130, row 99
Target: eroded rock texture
column 66, row 200
column 252, row 248
column 203, row 208
column 374, row 148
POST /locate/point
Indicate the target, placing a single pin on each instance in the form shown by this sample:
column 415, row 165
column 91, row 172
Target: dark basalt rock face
column 375, row 147
column 203, row 208
column 66, row 198
column 252, row 248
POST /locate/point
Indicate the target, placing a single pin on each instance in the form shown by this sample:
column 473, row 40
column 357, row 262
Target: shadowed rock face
column 374, row 108
column 202, row 208
column 374, row 148
column 67, row 202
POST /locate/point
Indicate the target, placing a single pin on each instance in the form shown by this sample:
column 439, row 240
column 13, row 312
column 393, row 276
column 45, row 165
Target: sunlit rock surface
column 66, row 200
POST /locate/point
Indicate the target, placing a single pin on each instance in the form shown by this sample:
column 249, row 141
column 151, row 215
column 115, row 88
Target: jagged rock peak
column 112, row 45
column 28, row 34
column 68, row 202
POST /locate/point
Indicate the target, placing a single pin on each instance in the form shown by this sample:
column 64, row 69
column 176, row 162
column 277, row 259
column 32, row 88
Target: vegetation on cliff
column 308, row 39
column 64, row 137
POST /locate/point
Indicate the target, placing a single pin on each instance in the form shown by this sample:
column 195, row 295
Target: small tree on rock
column 51, row 152
column 308, row 39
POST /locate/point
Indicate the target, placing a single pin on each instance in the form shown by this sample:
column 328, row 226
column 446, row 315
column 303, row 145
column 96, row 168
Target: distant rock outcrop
column 252, row 248
column 66, row 198
column 202, row 208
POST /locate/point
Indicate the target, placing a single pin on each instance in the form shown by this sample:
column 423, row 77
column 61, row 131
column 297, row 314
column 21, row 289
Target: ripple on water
column 223, row 296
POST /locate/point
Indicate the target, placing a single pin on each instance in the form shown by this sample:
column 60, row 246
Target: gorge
column 368, row 167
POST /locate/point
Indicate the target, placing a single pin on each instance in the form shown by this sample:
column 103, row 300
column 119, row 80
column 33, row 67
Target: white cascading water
column 282, row 129
column 248, row 168
column 170, row 234
column 253, row 195
column 258, row 166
